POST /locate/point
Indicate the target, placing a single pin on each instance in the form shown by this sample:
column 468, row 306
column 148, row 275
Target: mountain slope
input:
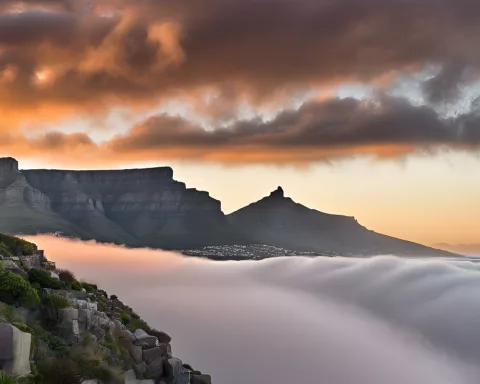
column 279, row 221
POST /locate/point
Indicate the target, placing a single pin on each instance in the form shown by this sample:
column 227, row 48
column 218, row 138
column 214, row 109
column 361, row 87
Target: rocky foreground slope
column 57, row 330
column 148, row 208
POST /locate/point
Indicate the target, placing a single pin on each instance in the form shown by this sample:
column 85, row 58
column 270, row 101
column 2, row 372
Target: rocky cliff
column 135, row 207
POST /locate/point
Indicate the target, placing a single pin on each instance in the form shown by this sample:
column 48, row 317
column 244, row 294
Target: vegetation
column 66, row 276
column 77, row 286
column 55, row 301
column 44, row 279
column 16, row 246
column 15, row 290
column 89, row 287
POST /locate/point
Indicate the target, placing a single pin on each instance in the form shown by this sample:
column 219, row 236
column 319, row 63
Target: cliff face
column 135, row 207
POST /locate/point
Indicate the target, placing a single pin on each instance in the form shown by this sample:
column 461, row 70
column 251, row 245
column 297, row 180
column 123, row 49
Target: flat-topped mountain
column 137, row 207
column 148, row 208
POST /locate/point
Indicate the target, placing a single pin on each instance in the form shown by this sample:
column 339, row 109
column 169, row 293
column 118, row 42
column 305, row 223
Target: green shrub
column 76, row 286
column 5, row 379
column 45, row 279
column 89, row 287
column 17, row 246
column 124, row 318
column 58, row 347
column 22, row 327
column 14, row 289
column 5, row 251
column 56, row 301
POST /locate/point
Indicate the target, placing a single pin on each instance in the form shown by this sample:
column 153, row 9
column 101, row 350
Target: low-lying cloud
column 298, row 320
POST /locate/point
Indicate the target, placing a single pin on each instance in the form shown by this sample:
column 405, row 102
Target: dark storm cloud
column 323, row 129
column 252, row 46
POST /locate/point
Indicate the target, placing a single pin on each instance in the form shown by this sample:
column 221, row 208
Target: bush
column 17, row 246
column 66, row 276
column 56, row 301
column 45, row 279
column 113, row 297
column 14, row 289
column 5, row 251
column 58, row 371
column 76, row 286
column 124, row 318
column 89, row 287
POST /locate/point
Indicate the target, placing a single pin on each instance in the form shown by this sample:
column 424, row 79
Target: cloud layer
column 299, row 320
column 60, row 58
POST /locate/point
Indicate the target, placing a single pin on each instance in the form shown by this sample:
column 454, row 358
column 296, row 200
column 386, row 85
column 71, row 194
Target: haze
column 323, row 320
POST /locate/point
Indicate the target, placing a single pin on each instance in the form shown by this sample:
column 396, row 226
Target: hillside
column 279, row 220
column 55, row 329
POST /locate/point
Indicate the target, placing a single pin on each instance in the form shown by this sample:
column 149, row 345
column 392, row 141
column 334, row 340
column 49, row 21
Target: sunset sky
column 368, row 108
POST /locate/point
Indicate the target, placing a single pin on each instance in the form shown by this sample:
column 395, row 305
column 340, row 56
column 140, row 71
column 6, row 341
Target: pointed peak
column 278, row 193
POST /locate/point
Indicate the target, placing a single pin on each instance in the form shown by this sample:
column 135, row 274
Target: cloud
column 375, row 321
column 110, row 53
column 319, row 130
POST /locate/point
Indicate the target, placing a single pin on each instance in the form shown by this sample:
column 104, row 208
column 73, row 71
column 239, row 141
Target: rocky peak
column 278, row 193
column 8, row 164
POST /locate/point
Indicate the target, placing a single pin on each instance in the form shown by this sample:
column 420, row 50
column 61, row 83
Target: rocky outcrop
column 14, row 350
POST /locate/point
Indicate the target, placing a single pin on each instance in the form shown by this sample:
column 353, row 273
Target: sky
column 297, row 320
column 367, row 108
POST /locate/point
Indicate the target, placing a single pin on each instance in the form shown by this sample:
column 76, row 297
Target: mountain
column 136, row 207
column 148, row 208
column 279, row 220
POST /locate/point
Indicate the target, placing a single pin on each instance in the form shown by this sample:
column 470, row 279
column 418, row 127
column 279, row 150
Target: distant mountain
column 148, row 208
column 279, row 220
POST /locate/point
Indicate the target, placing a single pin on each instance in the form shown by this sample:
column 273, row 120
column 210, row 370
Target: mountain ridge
column 146, row 207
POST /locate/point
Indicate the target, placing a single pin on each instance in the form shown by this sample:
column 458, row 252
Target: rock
column 15, row 350
column 152, row 354
column 54, row 275
column 155, row 369
column 134, row 350
column 67, row 315
column 130, row 378
column 85, row 319
column 140, row 369
column 14, row 268
column 145, row 340
column 200, row 379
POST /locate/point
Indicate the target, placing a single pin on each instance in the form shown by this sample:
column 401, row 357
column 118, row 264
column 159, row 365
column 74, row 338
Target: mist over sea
column 298, row 320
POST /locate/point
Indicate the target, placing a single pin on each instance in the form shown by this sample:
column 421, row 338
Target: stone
column 145, row 340
column 54, row 275
column 134, row 350
column 200, row 379
column 67, row 315
column 152, row 354
column 155, row 369
column 14, row 268
column 131, row 378
column 85, row 319
column 15, row 350
column 140, row 369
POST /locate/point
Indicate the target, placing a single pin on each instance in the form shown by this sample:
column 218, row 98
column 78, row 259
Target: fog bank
column 298, row 320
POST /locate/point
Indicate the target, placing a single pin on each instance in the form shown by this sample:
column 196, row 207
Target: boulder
column 173, row 369
column 140, row 369
column 155, row 369
column 54, row 275
column 145, row 340
column 85, row 319
column 67, row 315
column 134, row 350
column 15, row 350
column 152, row 354
column 130, row 378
